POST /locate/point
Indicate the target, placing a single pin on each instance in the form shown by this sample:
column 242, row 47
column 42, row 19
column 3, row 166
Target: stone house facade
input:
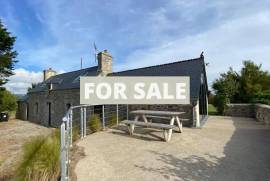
column 48, row 102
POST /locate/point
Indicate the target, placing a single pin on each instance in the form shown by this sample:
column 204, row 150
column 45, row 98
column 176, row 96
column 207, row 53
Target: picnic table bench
column 145, row 114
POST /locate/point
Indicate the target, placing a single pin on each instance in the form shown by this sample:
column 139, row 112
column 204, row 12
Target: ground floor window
column 68, row 105
column 36, row 107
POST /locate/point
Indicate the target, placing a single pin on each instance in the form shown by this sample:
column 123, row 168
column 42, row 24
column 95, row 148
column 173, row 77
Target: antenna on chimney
column 81, row 63
column 96, row 51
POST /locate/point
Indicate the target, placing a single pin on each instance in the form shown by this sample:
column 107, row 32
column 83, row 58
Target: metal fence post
column 71, row 134
column 82, row 115
column 117, row 113
column 103, row 117
column 84, row 122
column 127, row 111
column 63, row 153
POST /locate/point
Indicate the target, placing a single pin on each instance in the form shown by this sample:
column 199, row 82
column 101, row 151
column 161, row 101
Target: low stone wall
column 240, row 110
column 259, row 111
column 262, row 113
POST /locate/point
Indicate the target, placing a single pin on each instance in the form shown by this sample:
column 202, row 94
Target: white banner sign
column 135, row 90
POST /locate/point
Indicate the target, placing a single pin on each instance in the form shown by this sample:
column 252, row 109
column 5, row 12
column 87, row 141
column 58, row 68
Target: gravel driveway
column 13, row 134
column 226, row 148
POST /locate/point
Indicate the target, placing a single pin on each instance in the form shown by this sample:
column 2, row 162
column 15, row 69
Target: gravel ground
column 13, row 134
column 226, row 148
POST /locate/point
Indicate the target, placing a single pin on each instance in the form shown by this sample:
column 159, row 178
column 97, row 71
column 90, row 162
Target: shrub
column 95, row 123
column 220, row 102
column 113, row 121
column 262, row 97
column 8, row 101
column 75, row 133
column 40, row 159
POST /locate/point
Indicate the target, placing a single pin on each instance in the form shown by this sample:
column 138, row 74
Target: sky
column 137, row 33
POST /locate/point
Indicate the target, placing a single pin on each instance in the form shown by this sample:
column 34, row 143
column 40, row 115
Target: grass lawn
column 212, row 110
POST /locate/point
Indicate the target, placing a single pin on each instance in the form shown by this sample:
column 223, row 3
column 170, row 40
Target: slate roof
column 22, row 98
column 192, row 68
column 69, row 80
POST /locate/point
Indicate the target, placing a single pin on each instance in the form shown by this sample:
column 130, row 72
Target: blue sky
column 136, row 32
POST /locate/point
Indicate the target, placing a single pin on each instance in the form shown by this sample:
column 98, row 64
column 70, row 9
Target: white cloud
column 225, row 45
column 141, row 33
column 23, row 79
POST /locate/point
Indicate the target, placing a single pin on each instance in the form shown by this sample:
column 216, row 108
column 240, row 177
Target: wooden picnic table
column 145, row 114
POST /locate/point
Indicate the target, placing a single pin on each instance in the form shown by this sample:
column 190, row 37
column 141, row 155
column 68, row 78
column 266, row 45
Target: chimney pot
column 48, row 73
column 104, row 63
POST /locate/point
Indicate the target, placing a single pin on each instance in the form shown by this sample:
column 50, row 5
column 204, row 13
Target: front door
column 27, row 111
column 49, row 114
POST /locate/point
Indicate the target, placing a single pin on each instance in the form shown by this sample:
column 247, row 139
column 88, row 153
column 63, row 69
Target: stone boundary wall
column 240, row 110
column 259, row 111
column 262, row 113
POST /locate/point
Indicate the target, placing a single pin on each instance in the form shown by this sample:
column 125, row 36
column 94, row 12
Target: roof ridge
column 75, row 71
column 180, row 61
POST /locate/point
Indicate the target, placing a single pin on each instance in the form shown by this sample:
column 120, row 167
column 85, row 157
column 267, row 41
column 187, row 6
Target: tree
column 8, row 101
column 7, row 54
column 251, row 83
column 225, row 89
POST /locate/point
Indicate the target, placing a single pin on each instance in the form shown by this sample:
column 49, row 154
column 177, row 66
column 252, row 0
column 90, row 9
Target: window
column 36, row 108
column 68, row 105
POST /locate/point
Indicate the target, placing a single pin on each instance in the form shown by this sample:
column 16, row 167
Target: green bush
column 8, row 102
column 95, row 123
column 75, row 133
column 220, row 102
column 40, row 159
column 262, row 97
column 113, row 121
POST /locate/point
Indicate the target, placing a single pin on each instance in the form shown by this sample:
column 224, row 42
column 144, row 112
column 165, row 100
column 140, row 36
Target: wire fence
column 77, row 122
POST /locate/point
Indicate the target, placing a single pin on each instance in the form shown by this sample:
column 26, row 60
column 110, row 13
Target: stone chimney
column 48, row 73
column 104, row 63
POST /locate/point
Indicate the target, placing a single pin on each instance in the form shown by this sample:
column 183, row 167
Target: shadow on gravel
column 246, row 158
column 190, row 168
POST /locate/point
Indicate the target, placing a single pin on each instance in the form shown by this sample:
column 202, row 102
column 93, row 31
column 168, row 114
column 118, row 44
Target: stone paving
column 226, row 148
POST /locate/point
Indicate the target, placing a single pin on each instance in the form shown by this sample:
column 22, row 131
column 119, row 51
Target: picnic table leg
column 136, row 118
column 131, row 129
column 179, row 124
column 167, row 135
column 144, row 118
column 170, row 130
